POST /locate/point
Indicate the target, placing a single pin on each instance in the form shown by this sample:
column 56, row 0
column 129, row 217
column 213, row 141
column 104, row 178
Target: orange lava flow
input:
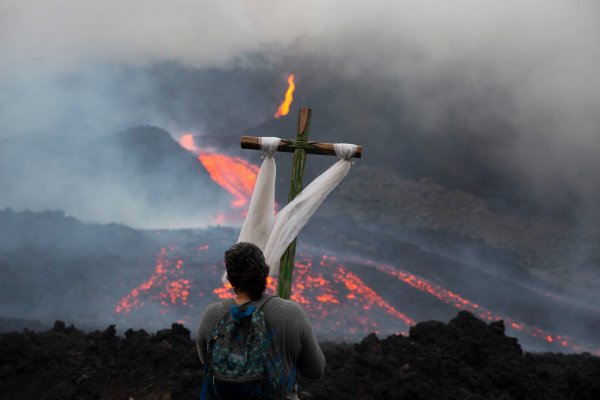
column 284, row 107
column 235, row 175
column 460, row 302
column 357, row 286
column 167, row 286
column 335, row 297
column 329, row 293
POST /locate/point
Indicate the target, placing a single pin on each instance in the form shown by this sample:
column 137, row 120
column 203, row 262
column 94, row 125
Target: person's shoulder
column 286, row 314
column 214, row 309
column 289, row 306
column 211, row 316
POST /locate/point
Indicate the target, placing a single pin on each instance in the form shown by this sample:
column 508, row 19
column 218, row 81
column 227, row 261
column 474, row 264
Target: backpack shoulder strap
column 226, row 308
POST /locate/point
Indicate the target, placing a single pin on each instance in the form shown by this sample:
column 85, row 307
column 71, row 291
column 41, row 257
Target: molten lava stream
column 460, row 302
column 335, row 298
column 235, row 175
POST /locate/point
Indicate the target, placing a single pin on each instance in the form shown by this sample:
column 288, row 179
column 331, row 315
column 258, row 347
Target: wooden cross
column 300, row 147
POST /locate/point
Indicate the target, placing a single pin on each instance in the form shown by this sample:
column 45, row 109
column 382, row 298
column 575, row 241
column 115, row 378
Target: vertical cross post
column 300, row 147
column 286, row 269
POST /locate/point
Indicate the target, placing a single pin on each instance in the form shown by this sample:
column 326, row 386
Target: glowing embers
column 284, row 107
column 338, row 302
column 167, row 286
column 460, row 302
column 338, row 298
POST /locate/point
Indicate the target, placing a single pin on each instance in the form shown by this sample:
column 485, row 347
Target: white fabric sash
column 261, row 213
column 273, row 234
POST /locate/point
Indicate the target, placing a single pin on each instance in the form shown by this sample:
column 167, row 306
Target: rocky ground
column 464, row 359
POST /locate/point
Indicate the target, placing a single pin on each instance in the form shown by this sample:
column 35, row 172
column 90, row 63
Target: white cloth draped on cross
column 274, row 233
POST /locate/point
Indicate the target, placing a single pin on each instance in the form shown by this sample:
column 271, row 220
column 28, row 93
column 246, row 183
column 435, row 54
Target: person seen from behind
column 254, row 345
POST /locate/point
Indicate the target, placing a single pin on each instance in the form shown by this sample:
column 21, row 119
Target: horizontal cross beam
column 289, row 146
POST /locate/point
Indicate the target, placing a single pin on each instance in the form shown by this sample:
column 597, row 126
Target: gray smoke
column 510, row 86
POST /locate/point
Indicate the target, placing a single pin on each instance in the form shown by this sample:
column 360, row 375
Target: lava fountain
column 284, row 107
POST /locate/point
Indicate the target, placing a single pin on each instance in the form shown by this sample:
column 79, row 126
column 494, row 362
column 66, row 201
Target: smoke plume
column 503, row 92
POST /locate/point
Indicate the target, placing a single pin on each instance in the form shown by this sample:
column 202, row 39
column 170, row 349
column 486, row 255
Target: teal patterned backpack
column 243, row 361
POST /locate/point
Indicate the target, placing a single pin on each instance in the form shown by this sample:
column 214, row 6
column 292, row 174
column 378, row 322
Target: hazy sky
column 533, row 63
column 545, row 51
column 65, row 34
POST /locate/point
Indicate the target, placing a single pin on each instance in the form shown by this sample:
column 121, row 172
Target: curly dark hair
column 247, row 269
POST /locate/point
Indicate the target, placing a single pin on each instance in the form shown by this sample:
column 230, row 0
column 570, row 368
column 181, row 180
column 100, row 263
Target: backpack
column 243, row 361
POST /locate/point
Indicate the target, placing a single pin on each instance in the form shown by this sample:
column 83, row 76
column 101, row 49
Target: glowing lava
column 237, row 176
column 449, row 297
column 336, row 299
column 357, row 287
column 284, row 107
column 167, row 286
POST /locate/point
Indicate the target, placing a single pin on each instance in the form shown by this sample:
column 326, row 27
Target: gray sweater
column 291, row 328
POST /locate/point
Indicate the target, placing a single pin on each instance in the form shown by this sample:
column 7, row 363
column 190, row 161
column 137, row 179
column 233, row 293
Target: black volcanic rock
column 467, row 337
column 464, row 359
column 17, row 324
